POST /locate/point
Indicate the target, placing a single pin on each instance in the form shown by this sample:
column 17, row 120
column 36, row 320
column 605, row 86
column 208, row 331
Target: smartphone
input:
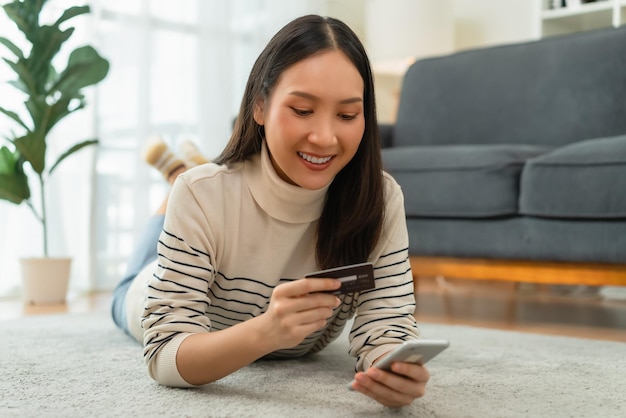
column 414, row 351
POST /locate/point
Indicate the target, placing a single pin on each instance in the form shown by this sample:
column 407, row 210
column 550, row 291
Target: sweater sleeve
column 177, row 292
column 384, row 315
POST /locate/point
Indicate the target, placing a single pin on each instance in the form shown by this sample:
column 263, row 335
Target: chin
column 313, row 185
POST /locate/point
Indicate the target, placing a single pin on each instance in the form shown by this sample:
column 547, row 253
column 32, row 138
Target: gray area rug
column 80, row 366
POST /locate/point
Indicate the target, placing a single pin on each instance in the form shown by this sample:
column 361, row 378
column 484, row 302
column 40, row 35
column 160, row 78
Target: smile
column 314, row 160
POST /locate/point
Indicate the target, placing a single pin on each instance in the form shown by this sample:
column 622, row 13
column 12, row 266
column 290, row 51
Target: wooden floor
column 543, row 309
column 99, row 302
column 527, row 308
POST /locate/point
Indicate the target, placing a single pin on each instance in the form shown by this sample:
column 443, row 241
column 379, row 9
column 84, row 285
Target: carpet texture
column 80, row 365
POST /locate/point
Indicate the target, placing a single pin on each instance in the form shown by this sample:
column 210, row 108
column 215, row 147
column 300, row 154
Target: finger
column 315, row 285
column 314, row 306
column 306, row 286
column 407, row 384
column 304, row 309
column 316, row 300
column 379, row 392
column 298, row 325
column 311, row 316
column 415, row 372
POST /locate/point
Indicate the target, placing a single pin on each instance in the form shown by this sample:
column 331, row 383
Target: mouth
column 314, row 160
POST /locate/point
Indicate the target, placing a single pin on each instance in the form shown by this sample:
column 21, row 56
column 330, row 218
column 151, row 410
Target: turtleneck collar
column 281, row 200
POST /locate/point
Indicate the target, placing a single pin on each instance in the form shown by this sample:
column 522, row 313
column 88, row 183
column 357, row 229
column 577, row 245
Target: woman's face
column 314, row 119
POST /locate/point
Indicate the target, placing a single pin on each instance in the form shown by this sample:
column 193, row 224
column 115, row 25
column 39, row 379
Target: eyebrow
column 313, row 97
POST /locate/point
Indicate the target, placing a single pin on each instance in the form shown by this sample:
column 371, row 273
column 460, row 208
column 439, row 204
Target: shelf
column 605, row 6
column 587, row 16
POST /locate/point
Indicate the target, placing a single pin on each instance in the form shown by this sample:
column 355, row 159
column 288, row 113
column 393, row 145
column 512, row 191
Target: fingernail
column 337, row 301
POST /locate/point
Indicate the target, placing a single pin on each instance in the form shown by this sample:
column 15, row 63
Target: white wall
column 399, row 31
column 396, row 33
column 395, row 29
column 408, row 28
column 479, row 23
column 352, row 12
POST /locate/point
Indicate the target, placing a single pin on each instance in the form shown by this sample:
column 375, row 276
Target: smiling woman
column 298, row 188
column 314, row 126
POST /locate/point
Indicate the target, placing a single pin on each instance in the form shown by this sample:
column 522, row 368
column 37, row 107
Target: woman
column 298, row 188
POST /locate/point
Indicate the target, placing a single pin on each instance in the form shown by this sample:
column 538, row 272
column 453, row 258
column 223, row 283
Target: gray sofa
column 515, row 157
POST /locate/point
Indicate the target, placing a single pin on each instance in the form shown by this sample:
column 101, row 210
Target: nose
column 323, row 134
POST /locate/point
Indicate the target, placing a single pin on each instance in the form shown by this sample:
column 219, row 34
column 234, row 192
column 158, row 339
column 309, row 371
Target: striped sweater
column 233, row 234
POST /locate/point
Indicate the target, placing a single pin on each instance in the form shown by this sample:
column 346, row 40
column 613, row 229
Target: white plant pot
column 45, row 280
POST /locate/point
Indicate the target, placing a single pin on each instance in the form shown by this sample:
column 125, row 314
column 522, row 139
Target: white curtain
column 178, row 69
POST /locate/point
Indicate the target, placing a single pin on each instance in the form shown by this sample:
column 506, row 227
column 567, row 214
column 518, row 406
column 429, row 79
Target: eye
column 301, row 112
column 348, row 116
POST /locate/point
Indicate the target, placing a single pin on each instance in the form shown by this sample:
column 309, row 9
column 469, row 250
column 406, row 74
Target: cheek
column 353, row 135
column 281, row 127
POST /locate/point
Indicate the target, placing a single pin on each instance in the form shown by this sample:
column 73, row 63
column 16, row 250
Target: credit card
column 353, row 278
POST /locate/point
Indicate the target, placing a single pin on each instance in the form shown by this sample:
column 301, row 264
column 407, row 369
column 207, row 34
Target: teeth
column 314, row 160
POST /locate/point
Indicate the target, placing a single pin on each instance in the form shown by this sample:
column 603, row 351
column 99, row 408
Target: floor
column 540, row 309
column 527, row 308
column 15, row 308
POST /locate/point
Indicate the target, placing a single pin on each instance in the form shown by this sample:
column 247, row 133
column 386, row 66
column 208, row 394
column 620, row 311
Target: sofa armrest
column 386, row 134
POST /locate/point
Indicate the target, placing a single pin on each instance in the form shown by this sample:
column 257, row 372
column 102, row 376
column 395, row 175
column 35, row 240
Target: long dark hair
column 351, row 222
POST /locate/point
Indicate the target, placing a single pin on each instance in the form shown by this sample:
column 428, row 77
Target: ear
column 259, row 112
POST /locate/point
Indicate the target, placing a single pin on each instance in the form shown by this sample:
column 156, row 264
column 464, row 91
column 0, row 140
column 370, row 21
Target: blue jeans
column 145, row 253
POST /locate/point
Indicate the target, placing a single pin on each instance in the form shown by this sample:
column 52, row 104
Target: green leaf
column 85, row 67
column 13, row 181
column 32, row 147
column 45, row 47
column 72, row 150
column 8, row 160
column 12, row 47
column 61, row 109
column 25, row 14
column 14, row 116
column 23, row 73
column 38, row 109
column 18, row 84
column 52, row 76
column 72, row 12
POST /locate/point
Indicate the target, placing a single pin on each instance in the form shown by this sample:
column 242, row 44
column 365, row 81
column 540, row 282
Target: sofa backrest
column 549, row 92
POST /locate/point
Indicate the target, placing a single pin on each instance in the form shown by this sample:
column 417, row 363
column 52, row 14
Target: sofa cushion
column 465, row 181
column 586, row 179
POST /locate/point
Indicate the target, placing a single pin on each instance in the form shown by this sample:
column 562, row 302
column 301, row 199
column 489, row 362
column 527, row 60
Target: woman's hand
column 298, row 309
column 400, row 388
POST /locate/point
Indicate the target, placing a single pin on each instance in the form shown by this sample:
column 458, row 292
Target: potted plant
column 50, row 96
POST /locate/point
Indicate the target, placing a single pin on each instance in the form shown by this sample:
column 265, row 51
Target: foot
column 191, row 154
column 158, row 154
